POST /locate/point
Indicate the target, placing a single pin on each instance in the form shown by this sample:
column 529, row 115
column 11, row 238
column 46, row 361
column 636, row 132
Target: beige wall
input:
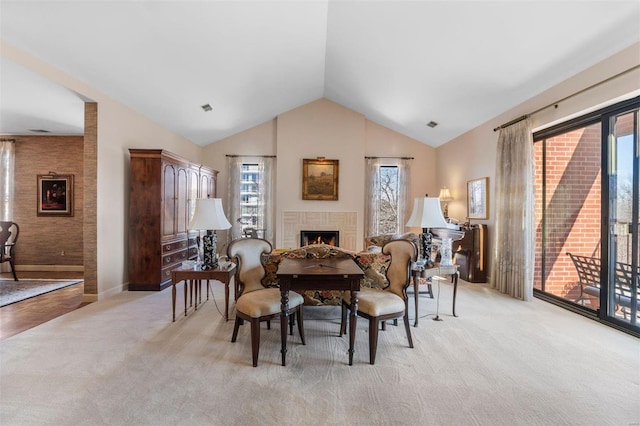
column 473, row 154
column 323, row 129
column 119, row 128
column 304, row 132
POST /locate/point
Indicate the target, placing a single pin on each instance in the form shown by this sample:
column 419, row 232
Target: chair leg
column 236, row 326
column 301, row 325
column 373, row 339
column 408, row 328
column 291, row 321
column 343, row 320
column 13, row 269
column 255, row 340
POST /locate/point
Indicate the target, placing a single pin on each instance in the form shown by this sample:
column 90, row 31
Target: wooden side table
column 432, row 272
column 195, row 277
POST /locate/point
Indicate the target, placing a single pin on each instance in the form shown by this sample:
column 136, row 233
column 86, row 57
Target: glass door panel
column 568, row 212
column 622, row 293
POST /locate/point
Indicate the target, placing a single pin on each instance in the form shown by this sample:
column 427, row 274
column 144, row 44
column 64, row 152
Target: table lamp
column 209, row 216
column 445, row 197
column 426, row 214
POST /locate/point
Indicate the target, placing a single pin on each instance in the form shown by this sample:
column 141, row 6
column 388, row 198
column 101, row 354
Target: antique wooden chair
column 380, row 305
column 8, row 237
column 254, row 302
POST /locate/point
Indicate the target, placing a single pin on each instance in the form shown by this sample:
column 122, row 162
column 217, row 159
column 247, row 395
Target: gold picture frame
column 478, row 198
column 320, row 179
column 55, row 195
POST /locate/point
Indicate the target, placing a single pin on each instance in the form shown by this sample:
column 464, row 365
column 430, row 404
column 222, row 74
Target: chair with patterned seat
column 254, row 302
column 8, row 237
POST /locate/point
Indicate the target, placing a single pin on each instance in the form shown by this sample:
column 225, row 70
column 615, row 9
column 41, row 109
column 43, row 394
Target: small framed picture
column 55, row 195
column 478, row 198
column 319, row 179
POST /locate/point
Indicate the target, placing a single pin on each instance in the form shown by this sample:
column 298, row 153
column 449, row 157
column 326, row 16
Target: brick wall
column 43, row 238
column 573, row 204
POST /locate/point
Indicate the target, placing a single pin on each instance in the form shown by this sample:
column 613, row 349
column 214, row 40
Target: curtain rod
column 259, row 156
column 398, row 158
column 555, row 104
column 7, row 140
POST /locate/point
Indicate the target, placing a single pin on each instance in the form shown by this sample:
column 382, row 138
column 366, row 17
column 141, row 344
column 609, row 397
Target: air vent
column 207, row 107
column 432, row 124
column 39, row 131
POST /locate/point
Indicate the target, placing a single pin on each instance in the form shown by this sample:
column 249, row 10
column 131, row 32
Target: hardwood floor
column 21, row 316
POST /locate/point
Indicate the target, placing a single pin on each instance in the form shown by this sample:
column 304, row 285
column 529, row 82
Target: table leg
column 352, row 324
column 173, row 299
column 185, row 297
column 455, row 291
column 198, row 290
column 284, row 316
column 208, row 289
column 226, row 300
column 416, row 293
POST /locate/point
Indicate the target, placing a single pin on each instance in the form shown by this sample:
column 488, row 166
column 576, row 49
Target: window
column 250, row 206
column 387, row 192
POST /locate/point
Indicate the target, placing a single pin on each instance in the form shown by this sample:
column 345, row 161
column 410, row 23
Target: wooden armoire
column 163, row 190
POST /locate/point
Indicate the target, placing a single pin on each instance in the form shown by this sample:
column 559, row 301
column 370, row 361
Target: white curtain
column 266, row 167
column 372, row 192
column 513, row 258
column 7, row 160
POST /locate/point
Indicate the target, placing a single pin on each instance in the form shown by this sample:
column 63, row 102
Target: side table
column 196, row 277
column 432, row 272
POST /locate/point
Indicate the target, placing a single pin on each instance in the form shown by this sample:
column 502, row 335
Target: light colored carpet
column 121, row 361
column 15, row 291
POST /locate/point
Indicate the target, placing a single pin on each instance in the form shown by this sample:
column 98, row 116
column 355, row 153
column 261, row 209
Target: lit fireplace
column 319, row 237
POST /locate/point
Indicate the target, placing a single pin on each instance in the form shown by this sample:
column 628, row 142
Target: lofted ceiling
column 401, row 64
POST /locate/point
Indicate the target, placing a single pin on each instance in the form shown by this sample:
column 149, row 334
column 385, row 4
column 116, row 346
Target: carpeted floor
column 122, row 361
column 15, row 291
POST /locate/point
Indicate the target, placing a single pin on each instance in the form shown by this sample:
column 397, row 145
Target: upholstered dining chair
column 8, row 237
column 254, row 302
column 380, row 305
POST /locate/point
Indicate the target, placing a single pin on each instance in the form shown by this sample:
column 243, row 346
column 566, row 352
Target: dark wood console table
column 195, row 278
column 319, row 274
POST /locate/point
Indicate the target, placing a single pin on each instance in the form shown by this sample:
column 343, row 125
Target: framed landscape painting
column 320, row 179
column 478, row 198
column 55, row 195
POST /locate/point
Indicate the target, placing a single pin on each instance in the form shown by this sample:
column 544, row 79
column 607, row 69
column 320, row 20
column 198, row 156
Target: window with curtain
column 387, row 193
column 250, row 206
column 7, row 159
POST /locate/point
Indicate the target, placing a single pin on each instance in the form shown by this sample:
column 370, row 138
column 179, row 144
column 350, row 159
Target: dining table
column 319, row 274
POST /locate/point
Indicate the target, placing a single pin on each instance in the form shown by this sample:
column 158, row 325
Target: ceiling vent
column 432, row 124
column 39, row 131
column 207, row 107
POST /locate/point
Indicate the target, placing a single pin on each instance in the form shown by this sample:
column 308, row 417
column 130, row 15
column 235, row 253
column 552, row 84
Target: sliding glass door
column 624, row 180
column 587, row 248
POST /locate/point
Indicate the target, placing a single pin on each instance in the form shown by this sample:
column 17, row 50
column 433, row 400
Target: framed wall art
column 55, row 195
column 320, row 179
column 478, row 198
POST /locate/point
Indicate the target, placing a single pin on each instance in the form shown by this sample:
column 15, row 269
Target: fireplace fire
column 319, row 237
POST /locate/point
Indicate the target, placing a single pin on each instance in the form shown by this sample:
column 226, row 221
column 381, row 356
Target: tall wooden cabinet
column 163, row 190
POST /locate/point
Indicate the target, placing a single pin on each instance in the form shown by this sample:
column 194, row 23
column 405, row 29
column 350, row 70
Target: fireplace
column 331, row 238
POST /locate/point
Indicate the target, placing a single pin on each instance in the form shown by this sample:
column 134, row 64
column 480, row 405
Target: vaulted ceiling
column 399, row 63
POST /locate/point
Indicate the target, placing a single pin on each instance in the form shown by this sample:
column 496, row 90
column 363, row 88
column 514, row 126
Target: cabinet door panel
column 182, row 197
column 169, row 200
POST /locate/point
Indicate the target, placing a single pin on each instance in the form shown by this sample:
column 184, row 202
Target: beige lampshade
column 426, row 214
column 209, row 215
column 445, row 195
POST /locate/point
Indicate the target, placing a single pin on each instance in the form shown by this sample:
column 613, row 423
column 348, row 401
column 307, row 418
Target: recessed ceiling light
column 207, row 107
column 39, row 131
column 432, row 124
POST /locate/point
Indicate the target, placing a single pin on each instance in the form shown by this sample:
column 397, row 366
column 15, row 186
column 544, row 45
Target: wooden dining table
column 319, row 274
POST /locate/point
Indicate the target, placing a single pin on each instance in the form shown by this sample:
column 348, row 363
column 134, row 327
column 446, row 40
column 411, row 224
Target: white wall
column 473, row 154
